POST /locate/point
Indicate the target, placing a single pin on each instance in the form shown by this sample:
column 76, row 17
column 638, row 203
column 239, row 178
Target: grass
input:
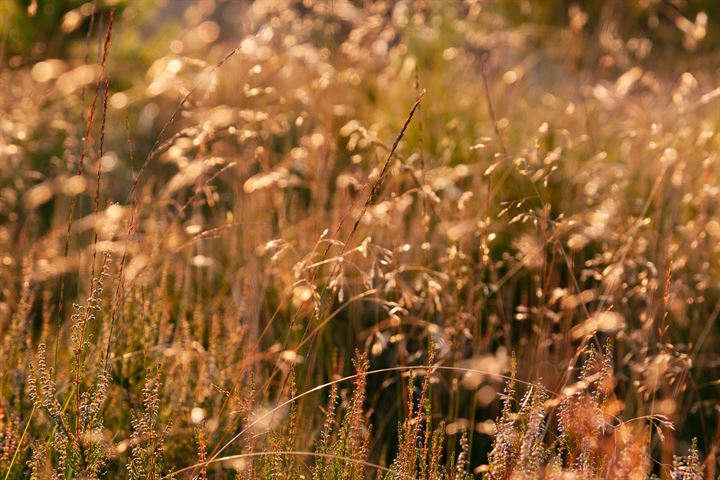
column 347, row 240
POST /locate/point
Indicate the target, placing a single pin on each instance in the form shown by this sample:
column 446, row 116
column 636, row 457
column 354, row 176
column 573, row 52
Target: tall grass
column 400, row 240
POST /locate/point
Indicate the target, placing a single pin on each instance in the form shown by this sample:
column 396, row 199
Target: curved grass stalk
column 19, row 445
column 301, row 453
column 318, row 388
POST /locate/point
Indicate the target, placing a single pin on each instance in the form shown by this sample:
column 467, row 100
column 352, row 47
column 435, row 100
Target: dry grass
column 319, row 238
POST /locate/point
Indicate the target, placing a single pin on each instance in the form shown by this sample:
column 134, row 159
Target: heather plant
column 146, row 460
column 77, row 438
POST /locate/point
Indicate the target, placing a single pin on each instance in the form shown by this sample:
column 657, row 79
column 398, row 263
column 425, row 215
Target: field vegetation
column 339, row 239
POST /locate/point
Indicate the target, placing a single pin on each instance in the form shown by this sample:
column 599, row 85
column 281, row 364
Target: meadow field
column 351, row 239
